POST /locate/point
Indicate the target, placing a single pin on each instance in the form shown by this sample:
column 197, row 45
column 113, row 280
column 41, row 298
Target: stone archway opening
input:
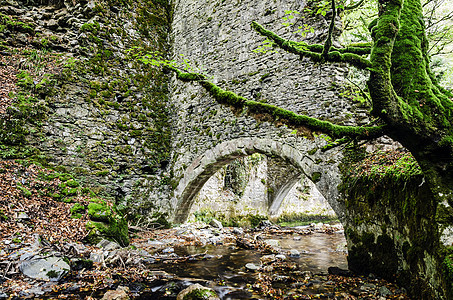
column 255, row 187
column 285, row 166
column 302, row 204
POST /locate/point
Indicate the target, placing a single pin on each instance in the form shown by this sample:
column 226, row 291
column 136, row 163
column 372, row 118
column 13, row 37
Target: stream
column 223, row 266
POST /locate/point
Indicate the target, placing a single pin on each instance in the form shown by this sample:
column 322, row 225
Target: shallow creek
column 223, row 267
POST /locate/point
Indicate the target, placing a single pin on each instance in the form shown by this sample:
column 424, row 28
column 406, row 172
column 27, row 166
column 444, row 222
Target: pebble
column 251, row 267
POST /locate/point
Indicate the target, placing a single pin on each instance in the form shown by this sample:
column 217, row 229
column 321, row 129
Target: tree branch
column 328, row 43
column 287, row 117
column 304, row 50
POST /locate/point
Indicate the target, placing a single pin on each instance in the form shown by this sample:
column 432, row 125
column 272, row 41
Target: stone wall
column 106, row 117
column 392, row 231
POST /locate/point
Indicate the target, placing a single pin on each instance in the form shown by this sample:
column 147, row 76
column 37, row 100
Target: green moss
column 99, row 211
column 107, row 223
column 200, row 294
column 284, row 116
column 315, row 177
column 52, row 274
column 77, row 210
column 24, row 190
column 72, row 183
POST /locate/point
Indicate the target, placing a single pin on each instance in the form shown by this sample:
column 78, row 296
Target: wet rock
column 294, row 253
column 216, row 223
column 121, row 293
column 197, row 292
column 252, row 267
column 49, row 269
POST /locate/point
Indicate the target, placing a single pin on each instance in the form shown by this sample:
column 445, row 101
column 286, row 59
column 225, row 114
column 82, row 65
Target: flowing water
column 224, row 266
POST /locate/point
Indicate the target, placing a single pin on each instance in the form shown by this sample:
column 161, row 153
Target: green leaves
column 266, row 46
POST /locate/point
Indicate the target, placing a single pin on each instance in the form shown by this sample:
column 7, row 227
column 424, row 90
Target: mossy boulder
column 197, row 292
column 105, row 223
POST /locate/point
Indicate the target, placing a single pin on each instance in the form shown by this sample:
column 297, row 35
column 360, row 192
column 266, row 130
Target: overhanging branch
column 287, row 117
column 313, row 52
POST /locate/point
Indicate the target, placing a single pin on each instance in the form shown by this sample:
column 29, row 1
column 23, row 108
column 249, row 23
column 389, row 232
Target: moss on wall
column 391, row 224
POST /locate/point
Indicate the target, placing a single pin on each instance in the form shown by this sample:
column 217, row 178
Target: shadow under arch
column 204, row 166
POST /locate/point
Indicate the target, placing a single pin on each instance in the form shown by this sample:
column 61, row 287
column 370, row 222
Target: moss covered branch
column 314, row 52
column 287, row 117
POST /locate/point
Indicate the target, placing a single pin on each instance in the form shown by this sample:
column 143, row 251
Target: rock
column 49, row 269
column 272, row 243
column 197, row 292
column 168, row 250
column 216, row 223
column 280, row 256
column 294, row 253
column 119, row 294
column 307, row 275
column 384, row 291
column 265, row 224
column 338, row 271
column 80, row 263
column 108, row 245
column 251, row 267
column 97, row 257
column 238, row 230
column 267, row 259
column 52, row 24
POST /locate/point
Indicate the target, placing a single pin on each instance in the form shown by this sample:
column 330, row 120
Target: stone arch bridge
column 221, row 43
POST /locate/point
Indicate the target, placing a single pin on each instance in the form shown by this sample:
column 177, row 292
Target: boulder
column 49, row 269
column 197, row 292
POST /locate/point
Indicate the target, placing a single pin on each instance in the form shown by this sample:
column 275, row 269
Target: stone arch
column 204, row 166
